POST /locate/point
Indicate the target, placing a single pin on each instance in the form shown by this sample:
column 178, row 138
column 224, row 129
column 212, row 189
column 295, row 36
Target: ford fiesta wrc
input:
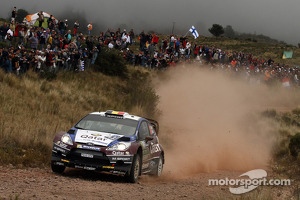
column 112, row 141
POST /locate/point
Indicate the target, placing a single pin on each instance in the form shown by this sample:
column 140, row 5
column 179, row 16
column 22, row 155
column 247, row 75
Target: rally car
column 112, row 141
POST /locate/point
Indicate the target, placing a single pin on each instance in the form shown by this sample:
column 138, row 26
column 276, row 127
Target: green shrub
column 141, row 93
column 111, row 62
column 294, row 145
column 269, row 113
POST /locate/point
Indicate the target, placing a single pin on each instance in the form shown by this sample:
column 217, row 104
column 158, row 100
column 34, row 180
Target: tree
column 21, row 15
column 229, row 32
column 216, row 30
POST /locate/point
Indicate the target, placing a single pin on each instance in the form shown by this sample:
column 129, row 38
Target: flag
column 194, row 32
column 287, row 54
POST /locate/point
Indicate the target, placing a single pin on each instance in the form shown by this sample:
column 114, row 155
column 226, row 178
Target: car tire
column 133, row 176
column 157, row 172
column 57, row 168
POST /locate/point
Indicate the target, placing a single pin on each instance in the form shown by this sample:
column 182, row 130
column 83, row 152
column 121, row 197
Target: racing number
column 155, row 148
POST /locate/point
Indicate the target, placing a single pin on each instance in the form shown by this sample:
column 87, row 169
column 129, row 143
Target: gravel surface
column 34, row 183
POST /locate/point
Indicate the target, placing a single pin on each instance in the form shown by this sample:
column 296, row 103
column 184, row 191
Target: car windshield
column 99, row 123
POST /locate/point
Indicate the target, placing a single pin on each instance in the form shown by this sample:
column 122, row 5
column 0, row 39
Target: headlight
column 66, row 139
column 121, row 146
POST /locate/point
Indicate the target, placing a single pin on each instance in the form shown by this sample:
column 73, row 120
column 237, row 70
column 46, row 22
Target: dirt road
column 78, row 184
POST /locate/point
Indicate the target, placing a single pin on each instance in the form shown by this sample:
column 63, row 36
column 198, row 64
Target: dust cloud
column 210, row 121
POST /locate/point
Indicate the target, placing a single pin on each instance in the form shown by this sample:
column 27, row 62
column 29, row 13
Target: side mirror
column 148, row 138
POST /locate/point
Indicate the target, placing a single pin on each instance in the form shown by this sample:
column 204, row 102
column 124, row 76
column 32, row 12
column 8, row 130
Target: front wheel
column 57, row 168
column 133, row 176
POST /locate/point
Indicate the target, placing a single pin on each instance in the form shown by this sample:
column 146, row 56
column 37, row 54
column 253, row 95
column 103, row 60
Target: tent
column 287, row 54
column 32, row 19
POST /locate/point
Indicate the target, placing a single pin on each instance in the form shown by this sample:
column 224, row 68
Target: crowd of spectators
column 59, row 47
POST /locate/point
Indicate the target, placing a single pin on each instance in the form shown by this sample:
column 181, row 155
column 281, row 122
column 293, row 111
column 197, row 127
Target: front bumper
column 91, row 159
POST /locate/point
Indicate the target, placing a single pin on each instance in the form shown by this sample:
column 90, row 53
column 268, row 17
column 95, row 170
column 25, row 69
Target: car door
column 144, row 134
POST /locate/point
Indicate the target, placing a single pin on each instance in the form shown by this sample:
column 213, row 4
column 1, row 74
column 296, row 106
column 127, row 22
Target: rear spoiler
column 154, row 124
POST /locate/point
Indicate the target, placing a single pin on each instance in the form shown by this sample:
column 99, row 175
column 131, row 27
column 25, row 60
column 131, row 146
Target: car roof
column 117, row 114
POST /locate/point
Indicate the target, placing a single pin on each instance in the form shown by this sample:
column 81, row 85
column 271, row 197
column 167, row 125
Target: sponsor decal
column 115, row 116
column 79, row 146
column 64, row 160
column 86, row 155
column 155, row 148
column 118, row 153
column 145, row 165
column 121, row 158
column 59, row 163
column 61, row 144
column 152, row 164
column 59, row 149
column 118, row 172
column 89, row 168
column 108, row 167
column 97, row 138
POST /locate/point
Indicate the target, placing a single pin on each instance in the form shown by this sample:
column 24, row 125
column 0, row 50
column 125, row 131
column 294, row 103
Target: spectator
column 51, row 22
column 21, row 36
column 12, row 27
column 131, row 34
column 75, row 28
column 3, row 30
column 34, row 41
column 9, row 37
column 95, row 55
column 68, row 37
column 14, row 14
column 43, row 38
column 90, row 28
column 41, row 18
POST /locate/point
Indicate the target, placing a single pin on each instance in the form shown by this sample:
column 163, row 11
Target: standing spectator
column 75, row 28
column 90, row 28
column 21, row 35
column 68, row 37
column 124, row 33
column 61, row 27
column 14, row 14
column 12, row 27
column 28, row 35
column 9, row 37
column 43, row 38
column 66, row 25
column 3, row 30
column 51, row 22
column 143, row 39
column 41, row 18
column 155, row 39
column 34, row 41
column 131, row 34
column 95, row 55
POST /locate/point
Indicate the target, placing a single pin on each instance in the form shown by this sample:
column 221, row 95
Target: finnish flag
column 194, row 32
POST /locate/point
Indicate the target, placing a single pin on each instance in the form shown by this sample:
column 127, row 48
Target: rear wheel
column 57, row 168
column 133, row 176
column 159, row 167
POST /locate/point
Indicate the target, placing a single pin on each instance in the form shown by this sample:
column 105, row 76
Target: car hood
column 95, row 137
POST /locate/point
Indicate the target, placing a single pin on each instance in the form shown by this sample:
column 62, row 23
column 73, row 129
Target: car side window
column 143, row 130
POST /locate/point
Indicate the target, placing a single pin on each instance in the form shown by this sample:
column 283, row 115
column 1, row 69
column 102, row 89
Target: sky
column 278, row 19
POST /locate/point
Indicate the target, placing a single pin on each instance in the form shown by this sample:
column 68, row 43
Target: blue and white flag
column 194, row 32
